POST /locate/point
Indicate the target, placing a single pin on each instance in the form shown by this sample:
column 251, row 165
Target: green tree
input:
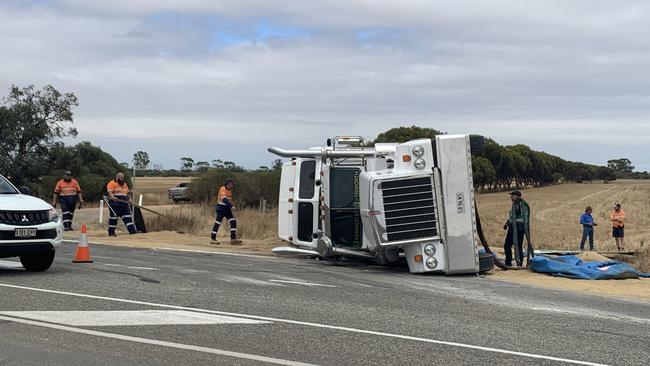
column 141, row 160
column 606, row 173
column 90, row 165
column 187, row 164
column 202, row 166
column 32, row 121
column 622, row 167
column 483, row 172
column 403, row 134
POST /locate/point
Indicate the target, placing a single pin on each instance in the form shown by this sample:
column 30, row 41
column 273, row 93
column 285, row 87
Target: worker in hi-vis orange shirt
column 67, row 192
column 224, row 209
column 120, row 201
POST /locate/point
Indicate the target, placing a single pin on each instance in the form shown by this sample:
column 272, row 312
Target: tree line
column 34, row 122
column 503, row 167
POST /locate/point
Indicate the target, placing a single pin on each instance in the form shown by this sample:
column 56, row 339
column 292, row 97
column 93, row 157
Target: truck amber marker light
column 406, row 158
column 418, row 258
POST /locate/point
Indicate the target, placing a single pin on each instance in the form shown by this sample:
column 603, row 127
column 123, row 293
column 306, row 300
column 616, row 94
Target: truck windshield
column 6, row 187
column 345, row 219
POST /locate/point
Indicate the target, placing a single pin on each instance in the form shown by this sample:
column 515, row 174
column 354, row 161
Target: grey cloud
column 564, row 77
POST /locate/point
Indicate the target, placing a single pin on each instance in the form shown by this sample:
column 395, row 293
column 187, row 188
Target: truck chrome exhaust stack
column 325, row 248
column 322, row 153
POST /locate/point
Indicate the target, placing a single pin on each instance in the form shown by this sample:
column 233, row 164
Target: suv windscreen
column 6, row 187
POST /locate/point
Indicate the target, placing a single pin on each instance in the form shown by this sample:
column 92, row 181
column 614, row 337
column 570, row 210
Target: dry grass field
column 155, row 189
column 555, row 215
column 556, row 210
column 198, row 220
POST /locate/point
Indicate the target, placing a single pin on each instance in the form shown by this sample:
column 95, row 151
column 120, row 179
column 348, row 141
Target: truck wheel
column 175, row 201
column 485, row 262
column 38, row 262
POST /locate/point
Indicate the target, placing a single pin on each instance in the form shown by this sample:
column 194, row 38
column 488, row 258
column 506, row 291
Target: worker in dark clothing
column 120, row 200
column 588, row 223
column 224, row 209
column 518, row 226
column 68, row 193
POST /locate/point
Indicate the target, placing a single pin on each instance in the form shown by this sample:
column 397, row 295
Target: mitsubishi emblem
column 25, row 219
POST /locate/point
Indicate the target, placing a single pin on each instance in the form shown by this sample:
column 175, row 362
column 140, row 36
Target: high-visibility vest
column 117, row 189
column 224, row 193
column 70, row 188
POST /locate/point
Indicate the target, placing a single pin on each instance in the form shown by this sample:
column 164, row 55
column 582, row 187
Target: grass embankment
column 198, row 220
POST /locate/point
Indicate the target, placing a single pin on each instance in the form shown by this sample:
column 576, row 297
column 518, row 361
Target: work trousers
column 68, row 206
column 587, row 232
column 224, row 211
column 117, row 210
column 521, row 233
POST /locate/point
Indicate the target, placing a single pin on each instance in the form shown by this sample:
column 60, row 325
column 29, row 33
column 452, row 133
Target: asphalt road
column 144, row 307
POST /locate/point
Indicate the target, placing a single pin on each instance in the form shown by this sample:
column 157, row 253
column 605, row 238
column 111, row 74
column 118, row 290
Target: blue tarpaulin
column 573, row 267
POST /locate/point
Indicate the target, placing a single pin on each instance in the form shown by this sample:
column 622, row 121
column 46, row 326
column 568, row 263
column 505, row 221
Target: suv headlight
column 52, row 215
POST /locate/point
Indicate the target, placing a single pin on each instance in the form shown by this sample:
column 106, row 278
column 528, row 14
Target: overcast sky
column 222, row 79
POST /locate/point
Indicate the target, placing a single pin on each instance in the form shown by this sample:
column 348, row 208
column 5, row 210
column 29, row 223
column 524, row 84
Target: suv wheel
column 38, row 262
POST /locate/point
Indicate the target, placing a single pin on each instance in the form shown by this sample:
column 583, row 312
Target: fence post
column 101, row 211
column 263, row 206
column 140, row 201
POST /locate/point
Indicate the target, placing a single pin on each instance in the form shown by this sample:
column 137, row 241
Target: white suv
column 29, row 228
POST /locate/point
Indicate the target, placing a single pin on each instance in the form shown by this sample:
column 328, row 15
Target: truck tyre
column 485, row 262
column 175, row 201
column 38, row 262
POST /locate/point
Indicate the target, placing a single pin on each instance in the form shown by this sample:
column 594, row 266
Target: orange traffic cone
column 83, row 253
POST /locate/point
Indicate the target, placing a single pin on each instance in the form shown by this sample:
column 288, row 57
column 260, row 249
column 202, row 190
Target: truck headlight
column 432, row 262
column 430, row 250
column 420, row 164
column 418, row 150
column 52, row 215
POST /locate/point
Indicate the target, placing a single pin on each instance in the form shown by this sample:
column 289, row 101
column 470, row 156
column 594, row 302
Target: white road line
column 155, row 342
column 127, row 318
column 143, row 268
column 303, row 283
column 217, row 253
column 315, row 325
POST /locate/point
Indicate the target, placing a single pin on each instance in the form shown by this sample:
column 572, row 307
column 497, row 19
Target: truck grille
column 409, row 209
column 23, row 218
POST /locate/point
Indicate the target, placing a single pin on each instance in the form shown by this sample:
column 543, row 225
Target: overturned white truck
column 387, row 203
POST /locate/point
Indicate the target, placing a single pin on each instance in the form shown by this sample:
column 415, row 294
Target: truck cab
column 410, row 201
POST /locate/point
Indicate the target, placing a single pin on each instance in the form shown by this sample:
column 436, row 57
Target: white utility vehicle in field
column 387, row 203
column 30, row 228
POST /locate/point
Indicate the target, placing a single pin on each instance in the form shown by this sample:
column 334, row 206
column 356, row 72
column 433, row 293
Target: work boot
column 236, row 242
column 214, row 242
column 113, row 234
